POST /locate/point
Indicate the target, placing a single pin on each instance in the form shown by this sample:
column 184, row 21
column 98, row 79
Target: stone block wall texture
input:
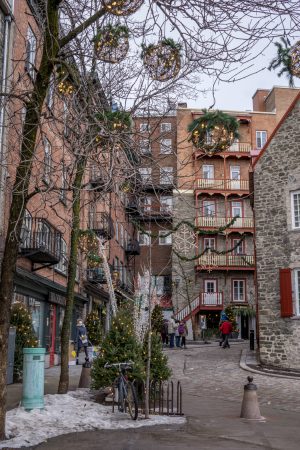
column 277, row 174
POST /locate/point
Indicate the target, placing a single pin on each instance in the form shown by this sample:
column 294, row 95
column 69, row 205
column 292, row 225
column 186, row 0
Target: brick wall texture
column 277, row 174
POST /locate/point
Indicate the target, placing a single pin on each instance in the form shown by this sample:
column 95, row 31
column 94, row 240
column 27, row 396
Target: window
column 236, row 209
column 145, row 147
column 261, row 138
column 235, row 172
column 50, row 93
column 166, row 203
column 117, row 230
column 296, row 210
column 146, row 204
column 165, row 239
column 297, row 291
column 165, row 127
column 64, row 185
column 43, row 235
column 208, row 171
column 30, row 53
column 26, row 229
column 121, row 235
column 166, row 175
column 144, row 239
column 209, row 208
column 238, row 290
column 47, row 160
column 238, row 247
column 166, row 146
column 145, row 173
column 162, row 284
column 144, row 127
column 209, row 243
column 62, row 266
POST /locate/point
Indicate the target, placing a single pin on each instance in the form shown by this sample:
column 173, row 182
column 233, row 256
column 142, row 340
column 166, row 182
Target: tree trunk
column 20, row 193
column 72, row 266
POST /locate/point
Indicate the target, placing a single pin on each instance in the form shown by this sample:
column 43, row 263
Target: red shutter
column 286, row 298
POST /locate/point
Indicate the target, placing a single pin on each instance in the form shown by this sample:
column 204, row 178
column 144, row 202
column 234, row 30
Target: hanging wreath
column 122, row 7
column 112, row 123
column 88, row 242
column 111, row 43
column 162, row 60
column 295, row 59
column 213, row 131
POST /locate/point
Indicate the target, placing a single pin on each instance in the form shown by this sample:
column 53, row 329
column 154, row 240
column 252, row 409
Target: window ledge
column 295, row 318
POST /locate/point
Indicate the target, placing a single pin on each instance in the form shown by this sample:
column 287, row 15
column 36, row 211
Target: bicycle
column 127, row 398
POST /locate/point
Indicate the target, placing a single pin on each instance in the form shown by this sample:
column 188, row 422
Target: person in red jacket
column 226, row 329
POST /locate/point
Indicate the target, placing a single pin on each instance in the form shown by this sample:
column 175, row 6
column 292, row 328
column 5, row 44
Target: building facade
column 214, row 217
column 277, row 219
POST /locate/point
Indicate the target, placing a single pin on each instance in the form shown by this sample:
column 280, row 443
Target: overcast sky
column 238, row 95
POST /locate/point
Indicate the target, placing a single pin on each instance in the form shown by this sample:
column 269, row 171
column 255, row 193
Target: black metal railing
column 133, row 247
column 96, row 275
column 101, row 223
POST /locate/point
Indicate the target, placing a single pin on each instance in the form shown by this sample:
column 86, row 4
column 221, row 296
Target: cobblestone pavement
column 211, row 368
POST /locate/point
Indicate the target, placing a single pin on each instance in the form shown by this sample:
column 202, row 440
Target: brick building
column 212, row 190
column 277, row 221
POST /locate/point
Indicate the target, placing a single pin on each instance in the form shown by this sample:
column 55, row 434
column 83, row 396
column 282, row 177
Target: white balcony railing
column 227, row 260
column 216, row 222
column 221, row 184
column 242, row 147
column 211, row 298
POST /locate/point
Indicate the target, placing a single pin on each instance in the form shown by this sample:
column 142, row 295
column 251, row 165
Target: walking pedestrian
column 81, row 340
column 177, row 335
column 183, row 332
column 171, row 331
column 164, row 333
column 226, row 329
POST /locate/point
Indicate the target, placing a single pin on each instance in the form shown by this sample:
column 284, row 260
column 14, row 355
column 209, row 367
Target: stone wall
column 277, row 173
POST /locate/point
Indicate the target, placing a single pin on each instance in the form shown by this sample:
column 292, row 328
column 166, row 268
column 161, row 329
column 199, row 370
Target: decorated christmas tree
column 25, row 337
column 157, row 319
column 119, row 345
column 159, row 369
column 94, row 328
column 230, row 313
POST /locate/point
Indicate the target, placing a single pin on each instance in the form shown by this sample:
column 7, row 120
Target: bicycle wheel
column 121, row 398
column 131, row 401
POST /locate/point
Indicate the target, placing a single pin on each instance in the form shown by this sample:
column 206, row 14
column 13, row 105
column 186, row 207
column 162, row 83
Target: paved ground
column 213, row 388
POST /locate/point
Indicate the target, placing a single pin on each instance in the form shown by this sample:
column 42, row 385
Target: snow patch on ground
column 69, row 413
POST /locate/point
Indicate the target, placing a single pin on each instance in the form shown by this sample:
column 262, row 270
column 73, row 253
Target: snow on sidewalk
column 69, row 413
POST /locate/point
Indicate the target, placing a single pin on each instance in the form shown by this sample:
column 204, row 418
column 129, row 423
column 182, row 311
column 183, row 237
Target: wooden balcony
column 228, row 261
column 211, row 300
column 215, row 184
column 40, row 242
column 237, row 148
column 217, row 222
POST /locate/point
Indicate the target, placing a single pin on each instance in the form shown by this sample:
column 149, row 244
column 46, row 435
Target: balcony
column 221, row 184
column 96, row 275
column 40, row 242
column 101, row 223
column 237, row 148
column 217, row 222
column 212, row 261
column 211, row 300
column 132, row 208
column 133, row 248
column 159, row 212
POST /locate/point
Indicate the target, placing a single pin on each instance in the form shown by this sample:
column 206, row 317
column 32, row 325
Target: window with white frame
column 166, row 175
column 261, row 138
column 26, row 229
column 145, row 173
column 165, row 238
column 236, row 209
column 64, row 184
column 145, row 147
column 165, row 127
column 208, row 171
column 295, row 197
column 297, row 291
column 166, row 203
column 30, row 52
column 121, row 235
column 47, row 160
column 238, row 290
column 209, row 243
column 117, row 230
column 238, row 247
column 62, row 266
column 146, row 204
column 166, row 146
column 144, row 127
column 209, row 208
column 144, row 239
column 50, row 93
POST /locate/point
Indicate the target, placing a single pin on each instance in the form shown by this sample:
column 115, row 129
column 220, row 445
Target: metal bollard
column 250, row 407
column 251, row 339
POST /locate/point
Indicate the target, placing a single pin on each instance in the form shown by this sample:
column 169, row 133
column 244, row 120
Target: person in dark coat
column 81, row 340
column 164, row 333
